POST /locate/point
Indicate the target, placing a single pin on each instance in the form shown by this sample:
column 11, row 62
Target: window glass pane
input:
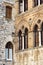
column 6, row 53
column 10, row 53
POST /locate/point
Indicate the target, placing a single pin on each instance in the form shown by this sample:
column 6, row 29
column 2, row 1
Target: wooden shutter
column 8, row 12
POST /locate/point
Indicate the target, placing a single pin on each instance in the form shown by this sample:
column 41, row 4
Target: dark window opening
column 35, row 3
column 26, row 39
column 9, row 49
column 20, row 1
column 20, row 40
column 25, row 5
column 36, row 36
column 41, row 1
column 8, row 12
column 42, row 34
column 21, row 7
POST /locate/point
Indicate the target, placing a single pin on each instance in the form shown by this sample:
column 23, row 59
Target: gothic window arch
column 26, row 38
column 36, row 36
column 42, row 34
column 9, row 51
column 20, row 39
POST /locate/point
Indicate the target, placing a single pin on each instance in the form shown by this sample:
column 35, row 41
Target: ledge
column 29, row 49
column 8, row 1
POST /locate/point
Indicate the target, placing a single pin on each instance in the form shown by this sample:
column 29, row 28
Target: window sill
column 23, row 12
column 8, row 60
column 34, row 48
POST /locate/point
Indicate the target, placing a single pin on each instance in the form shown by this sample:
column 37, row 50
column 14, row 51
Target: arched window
column 26, row 38
column 41, row 1
column 42, row 34
column 8, row 12
column 20, row 40
column 9, row 51
column 36, row 36
column 20, row 6
column 35, row 3
column 23, row 5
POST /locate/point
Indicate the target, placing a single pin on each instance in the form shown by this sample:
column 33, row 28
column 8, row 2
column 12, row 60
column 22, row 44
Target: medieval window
column 25, row 5
column 20, row 6
column 20, row 40
column 9, row 51
column 36, row 36
column 42, row 34
column 26, row 39
column 35, row 3
column 41, row 1
column 8, row 12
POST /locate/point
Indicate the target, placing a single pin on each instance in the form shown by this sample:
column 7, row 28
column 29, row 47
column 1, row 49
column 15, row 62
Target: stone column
column 39, row 38
column 38, row 2
column 23, row 5
column 22, row 41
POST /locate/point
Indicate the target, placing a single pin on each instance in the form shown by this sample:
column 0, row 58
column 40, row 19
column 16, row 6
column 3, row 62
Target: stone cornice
column 8, row 3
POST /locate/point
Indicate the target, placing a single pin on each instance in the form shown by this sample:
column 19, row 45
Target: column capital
column 22, row 34
column 39, row 29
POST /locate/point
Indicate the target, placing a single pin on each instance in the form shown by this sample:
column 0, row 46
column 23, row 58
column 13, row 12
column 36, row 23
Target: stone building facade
column 28, row 33
column 6, row 29
column 21, row 32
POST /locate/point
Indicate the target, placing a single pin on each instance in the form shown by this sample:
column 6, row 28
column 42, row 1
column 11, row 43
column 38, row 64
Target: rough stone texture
column 6, row 29
column 32, row 55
